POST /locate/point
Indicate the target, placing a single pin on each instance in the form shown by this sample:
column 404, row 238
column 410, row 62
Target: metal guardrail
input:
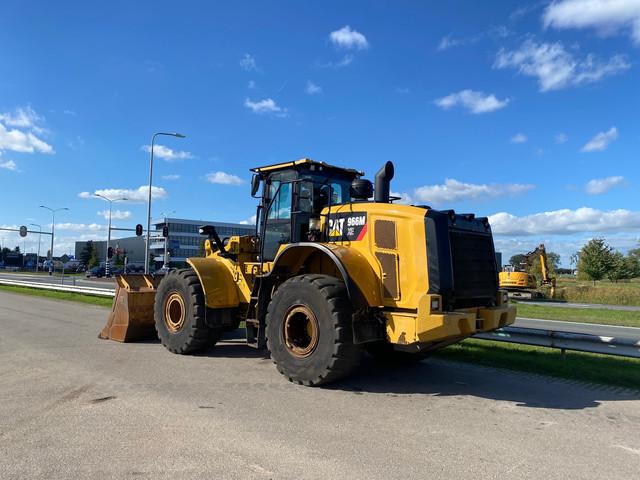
column 103, row 292
column 580, row 342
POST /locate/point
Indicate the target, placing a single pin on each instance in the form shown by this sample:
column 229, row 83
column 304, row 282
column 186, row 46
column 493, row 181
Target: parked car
column 96, row 272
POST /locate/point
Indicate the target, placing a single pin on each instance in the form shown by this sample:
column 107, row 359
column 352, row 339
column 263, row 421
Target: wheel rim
column 300, row 331
column 174, row 312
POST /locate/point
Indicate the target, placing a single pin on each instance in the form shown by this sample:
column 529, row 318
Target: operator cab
column 294, row 194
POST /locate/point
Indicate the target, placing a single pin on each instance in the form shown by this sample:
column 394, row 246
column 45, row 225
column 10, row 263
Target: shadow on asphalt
column 453, row 379
column 448, row 379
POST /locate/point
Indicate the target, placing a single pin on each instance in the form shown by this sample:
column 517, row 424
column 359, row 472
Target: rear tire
column 179, row 313
column 309, row 332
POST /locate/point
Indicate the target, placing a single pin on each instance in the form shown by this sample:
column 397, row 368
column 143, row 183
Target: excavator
column 520, row 284
column 335, row 269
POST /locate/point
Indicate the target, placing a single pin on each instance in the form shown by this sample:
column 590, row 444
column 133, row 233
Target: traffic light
column 165, row 231
column 110, row 252
column 138, row 230
column 23, row 231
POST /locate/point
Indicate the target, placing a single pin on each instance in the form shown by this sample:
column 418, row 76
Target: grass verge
column 588, row 367
column 67, row 296
column 584, row 315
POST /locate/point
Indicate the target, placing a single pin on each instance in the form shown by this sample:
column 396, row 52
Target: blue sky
column 523, row 111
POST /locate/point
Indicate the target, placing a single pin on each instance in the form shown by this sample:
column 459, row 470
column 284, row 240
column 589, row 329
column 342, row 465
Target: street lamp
column 107, row 269
column 165, row 263
column 153, row 141
column 53, row 229
column 39, row 236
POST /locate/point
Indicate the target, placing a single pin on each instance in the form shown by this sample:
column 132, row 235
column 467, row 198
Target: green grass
column 588, row 367
column 625, row 292
column 585, row 315
column 66, row 296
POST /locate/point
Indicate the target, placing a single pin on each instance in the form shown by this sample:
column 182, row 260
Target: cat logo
column 347, row 226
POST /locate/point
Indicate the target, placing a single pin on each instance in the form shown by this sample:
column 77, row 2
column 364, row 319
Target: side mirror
column 255, row 184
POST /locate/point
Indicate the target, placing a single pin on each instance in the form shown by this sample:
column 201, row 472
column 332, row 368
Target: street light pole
column 53, row 229
column 107, row 263
column 39, row 237
column 146, row 247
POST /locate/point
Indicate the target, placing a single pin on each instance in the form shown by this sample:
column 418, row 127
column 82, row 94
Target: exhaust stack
column 383, row 182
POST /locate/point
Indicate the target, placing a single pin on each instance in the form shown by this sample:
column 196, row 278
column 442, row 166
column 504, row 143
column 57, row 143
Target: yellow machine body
column 388, row 264
column 390, row 257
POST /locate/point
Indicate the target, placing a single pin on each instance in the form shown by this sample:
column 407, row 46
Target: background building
column 184, row 240
column 134, row 247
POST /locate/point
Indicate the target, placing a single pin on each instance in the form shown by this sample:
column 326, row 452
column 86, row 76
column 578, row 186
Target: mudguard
column 356, row 271
column 217, row 279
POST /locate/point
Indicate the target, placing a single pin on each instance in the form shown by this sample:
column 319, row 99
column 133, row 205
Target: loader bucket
column 131, row 316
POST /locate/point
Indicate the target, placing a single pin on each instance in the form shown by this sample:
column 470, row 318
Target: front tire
column 179, row 313
column 309, row 333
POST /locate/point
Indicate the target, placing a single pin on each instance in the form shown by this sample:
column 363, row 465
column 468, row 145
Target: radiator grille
column 474, row 268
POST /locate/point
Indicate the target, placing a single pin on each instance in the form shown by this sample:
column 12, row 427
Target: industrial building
column 183, row 242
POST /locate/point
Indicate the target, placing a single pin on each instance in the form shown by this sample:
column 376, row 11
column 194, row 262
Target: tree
column 17, row 249
column 596, row 259
column 633, row 262
column 516, row 260
column 553, row 262
column 93, row 260
column 85, row 254
column 118, row 258
column 619, row 269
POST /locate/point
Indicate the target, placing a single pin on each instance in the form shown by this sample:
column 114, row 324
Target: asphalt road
column 77, row 280
column 74, row 406
column 626, row 308
column 578, row 327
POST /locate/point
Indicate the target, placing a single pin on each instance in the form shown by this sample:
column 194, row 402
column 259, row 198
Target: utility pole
column 107, row 263
column 39, row 237
column 53, row 227
column 146, row 247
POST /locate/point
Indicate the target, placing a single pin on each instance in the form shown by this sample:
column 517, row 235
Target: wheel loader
column 335, row 269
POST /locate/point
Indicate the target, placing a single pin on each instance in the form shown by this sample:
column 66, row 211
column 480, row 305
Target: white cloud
column 250, row 221
column 223, row 178
column 403, row 90
column 519, row 138
column 312, row 88
column 115, row 215
column 23, row 117
column 248, row 63
column 24, row 142
column 606, row 16
column 565, row 221
column 349, row 39
column 598, row 186
column 561, row 138
column 495, row 32
column 9, row 165
column 172, row 176
column 266, row 106
column 476, row 102
column 79, row 227
column 557, row 68
column 251, row 84
column 453, row 190
column 139, row 195
column 601, row 141
column 167, row 153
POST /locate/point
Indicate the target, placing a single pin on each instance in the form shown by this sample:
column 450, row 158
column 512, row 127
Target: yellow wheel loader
column 329, row 274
